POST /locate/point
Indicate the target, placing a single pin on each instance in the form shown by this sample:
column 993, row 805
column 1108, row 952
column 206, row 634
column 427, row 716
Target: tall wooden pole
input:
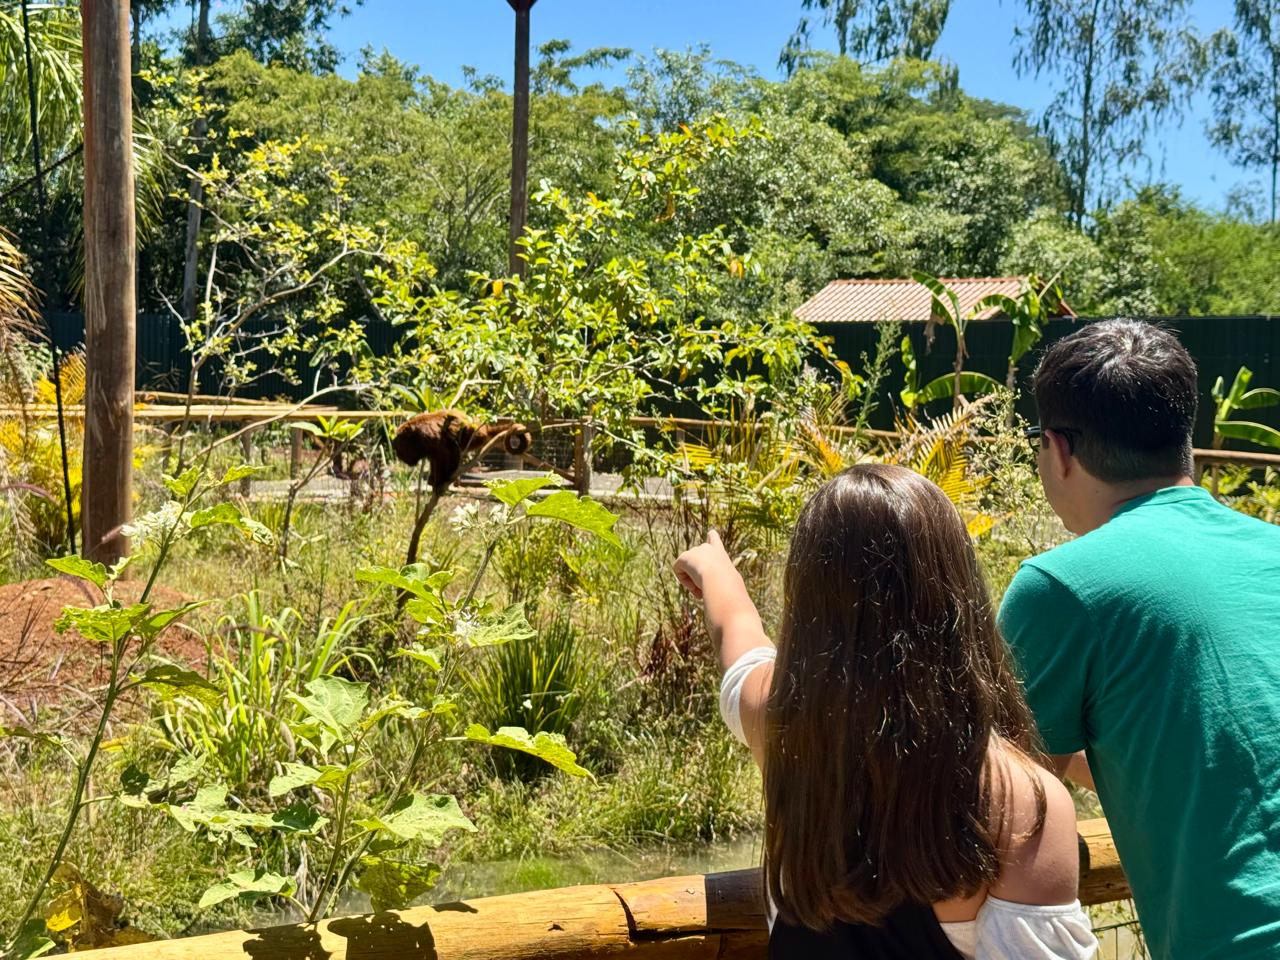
column 519, row 136
column 107, row 488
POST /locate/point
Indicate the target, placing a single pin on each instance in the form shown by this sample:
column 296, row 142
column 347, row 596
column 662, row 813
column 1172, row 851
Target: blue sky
column 441, row 36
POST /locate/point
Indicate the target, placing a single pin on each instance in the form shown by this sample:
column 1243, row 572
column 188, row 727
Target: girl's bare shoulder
column 1037, row 866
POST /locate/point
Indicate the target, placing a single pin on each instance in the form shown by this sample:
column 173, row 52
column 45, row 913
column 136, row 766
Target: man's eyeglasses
column 1035, row 434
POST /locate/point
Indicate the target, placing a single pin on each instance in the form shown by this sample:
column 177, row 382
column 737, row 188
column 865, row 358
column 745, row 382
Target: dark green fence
column 1220, row 345
column 163, row 364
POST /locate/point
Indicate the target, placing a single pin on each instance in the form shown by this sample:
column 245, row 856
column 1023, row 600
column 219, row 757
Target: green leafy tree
column 613, row 314
column 875, row 30
column 280, row 256
column 1245, row 89
column 672, row 87
column 1121, row 65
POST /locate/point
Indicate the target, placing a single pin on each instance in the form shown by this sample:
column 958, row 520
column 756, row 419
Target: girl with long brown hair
column 905, row 815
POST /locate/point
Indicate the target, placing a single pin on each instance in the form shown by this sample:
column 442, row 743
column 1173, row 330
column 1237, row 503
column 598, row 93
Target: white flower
column 152, row 527
column 464, row 517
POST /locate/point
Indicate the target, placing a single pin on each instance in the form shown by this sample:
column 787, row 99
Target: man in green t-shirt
column 1150, row 644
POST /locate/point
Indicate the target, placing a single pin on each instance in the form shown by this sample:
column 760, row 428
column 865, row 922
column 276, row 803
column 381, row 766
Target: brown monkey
column 443, row 437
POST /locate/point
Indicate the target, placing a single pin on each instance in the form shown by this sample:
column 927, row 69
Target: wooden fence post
column 106, row 497
column 582, row 456
column 295, row 452
column 246, row 456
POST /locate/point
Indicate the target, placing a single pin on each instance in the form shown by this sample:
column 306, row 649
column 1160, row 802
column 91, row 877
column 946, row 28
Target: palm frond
column 56, row 53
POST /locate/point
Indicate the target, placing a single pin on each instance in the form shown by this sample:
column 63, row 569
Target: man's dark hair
column 1124, row 394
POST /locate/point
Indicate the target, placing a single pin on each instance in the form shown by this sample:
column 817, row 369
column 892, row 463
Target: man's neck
column 1110, row 497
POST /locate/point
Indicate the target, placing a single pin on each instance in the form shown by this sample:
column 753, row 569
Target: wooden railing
column 719, row 915
column 158, row 407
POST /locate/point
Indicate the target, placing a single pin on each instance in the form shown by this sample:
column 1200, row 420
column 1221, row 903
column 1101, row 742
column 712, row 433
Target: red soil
column 40, row 668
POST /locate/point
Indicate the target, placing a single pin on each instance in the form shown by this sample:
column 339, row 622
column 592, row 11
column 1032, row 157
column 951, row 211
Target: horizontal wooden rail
column 720, row 915
column 234, row 410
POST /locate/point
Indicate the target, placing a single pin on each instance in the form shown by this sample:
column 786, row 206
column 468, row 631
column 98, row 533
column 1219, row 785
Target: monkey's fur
column 443, row 437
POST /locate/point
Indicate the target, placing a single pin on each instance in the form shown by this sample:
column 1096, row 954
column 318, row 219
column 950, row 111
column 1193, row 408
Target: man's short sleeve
column 1048, row 629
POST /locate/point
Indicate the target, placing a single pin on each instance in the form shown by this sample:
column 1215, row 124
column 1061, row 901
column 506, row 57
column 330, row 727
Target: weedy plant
column 127, row 632
column 327, row 812
column 256, row 660
column 540, row 684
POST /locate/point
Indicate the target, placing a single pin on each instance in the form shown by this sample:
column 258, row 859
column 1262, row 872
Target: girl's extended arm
column 708, row 572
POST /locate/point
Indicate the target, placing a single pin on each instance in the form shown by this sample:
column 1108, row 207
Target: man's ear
column 1058, row 450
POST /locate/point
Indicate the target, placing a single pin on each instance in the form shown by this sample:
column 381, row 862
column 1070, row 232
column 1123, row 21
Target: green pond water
column 470, row 880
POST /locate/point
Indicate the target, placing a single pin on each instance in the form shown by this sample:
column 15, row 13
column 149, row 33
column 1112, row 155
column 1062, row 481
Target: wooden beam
column 720, row 915
column 1235, row 458
column 106, row 498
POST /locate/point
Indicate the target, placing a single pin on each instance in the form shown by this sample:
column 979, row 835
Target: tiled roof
column 872, row 301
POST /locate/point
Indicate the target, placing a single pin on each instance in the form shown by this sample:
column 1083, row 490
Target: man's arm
column 1073, row 767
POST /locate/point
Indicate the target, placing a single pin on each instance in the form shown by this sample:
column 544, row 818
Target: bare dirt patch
column 40, row 668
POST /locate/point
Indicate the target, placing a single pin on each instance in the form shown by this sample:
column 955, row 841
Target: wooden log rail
column 719, row 916
column 240, row 411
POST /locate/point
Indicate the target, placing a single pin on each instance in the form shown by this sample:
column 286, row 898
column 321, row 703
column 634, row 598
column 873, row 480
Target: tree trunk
column 519, row 137
column 110, row 309
column 1084, row 162
column 195, row 190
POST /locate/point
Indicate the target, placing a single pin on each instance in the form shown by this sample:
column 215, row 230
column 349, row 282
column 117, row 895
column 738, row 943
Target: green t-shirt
column 1153, row 643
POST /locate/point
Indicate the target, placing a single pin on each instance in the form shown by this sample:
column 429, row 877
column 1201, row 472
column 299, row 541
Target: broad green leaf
column 229, row 514
column 295, row 775
column 136, row 782
column 511, row 625
column 946, row 305
column 185, row 482
column 208, row 809
column 971, row 382
column 402, row 709
column 418, row 817
column 426, row 609
column 299, row 818
column 30, row 943
column 336, row 703
column 238, row 472
column 512, row 492
column 105, row 623
column 25, row 733
column 1256, row 399
column 550, row 747
column 156, row 622
column 186, row 769
column 169, row 682
column 75, row 566
column 394, row 884
column 416, row 578
column 1258, row 433
column 327, row 777
column 581, row 512
column 248, row 885
column 432, row 657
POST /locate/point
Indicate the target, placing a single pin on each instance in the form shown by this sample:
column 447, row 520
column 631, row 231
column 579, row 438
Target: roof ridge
column 880, row 280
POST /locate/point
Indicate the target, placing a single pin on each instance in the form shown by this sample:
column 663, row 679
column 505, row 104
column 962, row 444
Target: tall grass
column 256, row 659
column 540, row 684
